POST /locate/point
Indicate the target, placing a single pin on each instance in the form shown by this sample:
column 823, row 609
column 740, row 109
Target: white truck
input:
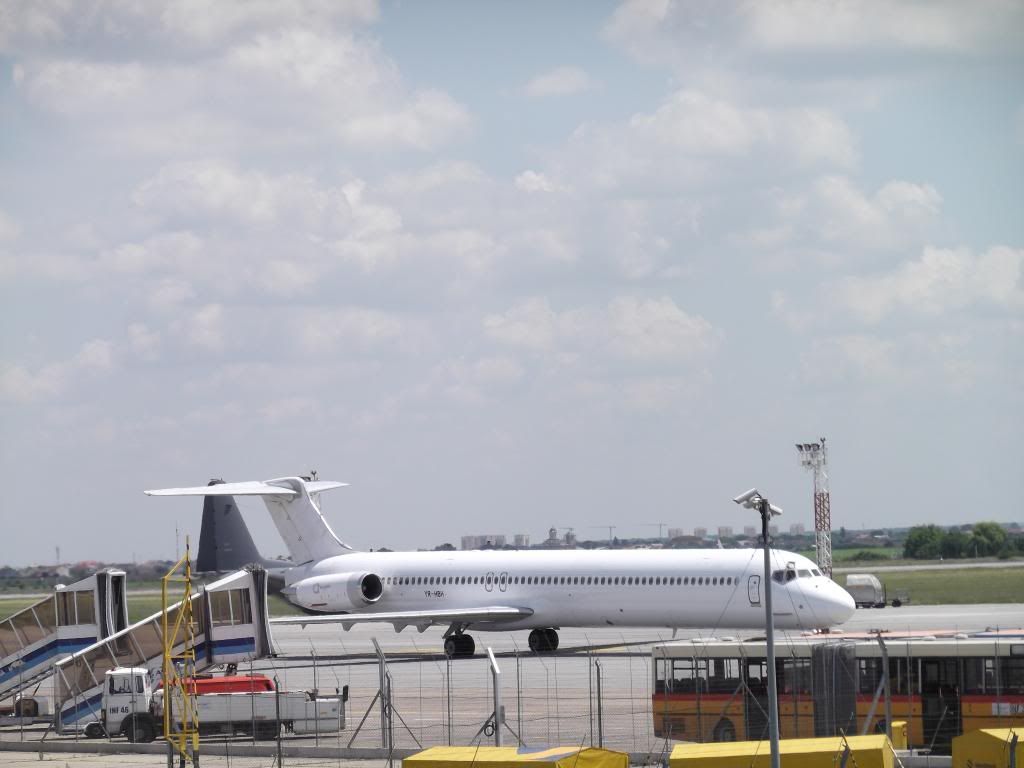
column 131, row 708
column 866, row 590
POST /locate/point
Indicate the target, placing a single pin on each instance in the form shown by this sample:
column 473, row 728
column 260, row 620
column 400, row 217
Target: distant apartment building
column 773, row 530
column 675, row 533
column 700, row 533
column 725, row 531
column 750, row 530
column 797, row 529
column 522, row 540
column 496, row 540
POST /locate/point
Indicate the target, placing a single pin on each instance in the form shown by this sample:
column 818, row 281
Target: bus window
column 974, row 675
column 796, row 676
column 869, row 675
column 725, row 675
column 1011, row 675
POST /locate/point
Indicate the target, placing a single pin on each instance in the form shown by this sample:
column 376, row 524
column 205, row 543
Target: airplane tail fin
column 225, row 543
column 294, row 505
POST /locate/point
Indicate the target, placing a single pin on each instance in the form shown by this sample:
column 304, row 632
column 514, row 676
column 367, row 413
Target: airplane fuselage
column 578, row 588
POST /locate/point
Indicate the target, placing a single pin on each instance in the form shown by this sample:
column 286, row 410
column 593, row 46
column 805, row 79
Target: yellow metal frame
column 180, row 667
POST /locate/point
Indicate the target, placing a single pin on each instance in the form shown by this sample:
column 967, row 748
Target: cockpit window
column 778, row 576
column 790, row 574
column 804, row 574
column 815, row 571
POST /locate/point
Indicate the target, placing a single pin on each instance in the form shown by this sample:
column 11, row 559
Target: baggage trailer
column 131, row 708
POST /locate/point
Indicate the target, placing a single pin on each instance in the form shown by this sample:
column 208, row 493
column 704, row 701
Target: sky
column 507, row 266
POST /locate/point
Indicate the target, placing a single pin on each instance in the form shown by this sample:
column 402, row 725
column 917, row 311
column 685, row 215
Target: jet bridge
column 72, row 618
column 231, row 625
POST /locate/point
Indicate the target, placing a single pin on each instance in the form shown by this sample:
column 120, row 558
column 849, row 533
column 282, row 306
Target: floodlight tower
column 814, row 456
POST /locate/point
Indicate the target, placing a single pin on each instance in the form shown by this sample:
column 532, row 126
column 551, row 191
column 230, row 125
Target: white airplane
column 537, row 590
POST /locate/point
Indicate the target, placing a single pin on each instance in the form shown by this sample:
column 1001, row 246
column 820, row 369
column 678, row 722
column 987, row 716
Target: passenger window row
column 685, row 581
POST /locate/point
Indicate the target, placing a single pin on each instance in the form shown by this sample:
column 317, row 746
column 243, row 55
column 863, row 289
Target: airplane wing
column 419, row 619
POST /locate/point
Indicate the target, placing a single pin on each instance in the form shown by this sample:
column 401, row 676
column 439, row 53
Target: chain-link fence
column 589, row 699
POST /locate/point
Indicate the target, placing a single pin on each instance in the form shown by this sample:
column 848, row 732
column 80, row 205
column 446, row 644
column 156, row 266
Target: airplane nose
column 841, row 604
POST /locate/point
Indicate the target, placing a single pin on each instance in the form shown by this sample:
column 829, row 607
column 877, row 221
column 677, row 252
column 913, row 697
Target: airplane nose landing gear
column 542, row 640
column 461, row 645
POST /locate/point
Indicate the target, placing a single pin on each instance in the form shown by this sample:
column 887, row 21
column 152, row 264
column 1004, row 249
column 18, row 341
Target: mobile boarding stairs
column 81, row 631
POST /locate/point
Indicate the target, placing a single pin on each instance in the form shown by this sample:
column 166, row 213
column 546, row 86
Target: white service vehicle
column 131, row 708
column 866, row 590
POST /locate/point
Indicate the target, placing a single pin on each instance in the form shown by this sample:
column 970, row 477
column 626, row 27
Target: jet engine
column 338, row 591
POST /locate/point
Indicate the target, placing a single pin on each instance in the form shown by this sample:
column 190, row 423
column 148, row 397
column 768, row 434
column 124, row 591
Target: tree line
column 930, row 542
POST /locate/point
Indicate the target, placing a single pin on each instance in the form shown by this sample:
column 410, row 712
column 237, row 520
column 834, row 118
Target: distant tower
column 813, row 456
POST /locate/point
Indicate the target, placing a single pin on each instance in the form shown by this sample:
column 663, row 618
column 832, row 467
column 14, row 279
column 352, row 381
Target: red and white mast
column 814, row 456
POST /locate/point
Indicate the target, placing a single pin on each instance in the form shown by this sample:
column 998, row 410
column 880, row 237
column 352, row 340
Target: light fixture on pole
column 753, row 499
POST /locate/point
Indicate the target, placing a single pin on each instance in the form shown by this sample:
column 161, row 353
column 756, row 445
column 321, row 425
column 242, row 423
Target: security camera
column 776, row 511
column 747, row 497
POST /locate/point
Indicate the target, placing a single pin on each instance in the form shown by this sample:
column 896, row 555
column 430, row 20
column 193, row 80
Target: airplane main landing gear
column 543, row 640
column 460, row 645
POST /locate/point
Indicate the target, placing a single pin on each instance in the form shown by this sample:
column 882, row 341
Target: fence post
column 600, row 706
column 590, row 695
column 382, row 672
column 499, row 715
column 448, row 704
column 519, row 698
column 277, row 712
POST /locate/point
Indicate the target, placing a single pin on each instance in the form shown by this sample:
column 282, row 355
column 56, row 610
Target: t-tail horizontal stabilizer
column 225, row 544
column 294, row 505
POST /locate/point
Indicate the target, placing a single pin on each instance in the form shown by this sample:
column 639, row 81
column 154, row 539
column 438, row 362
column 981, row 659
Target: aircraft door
column 503, row 580
column 754, row 590
column 489, row 581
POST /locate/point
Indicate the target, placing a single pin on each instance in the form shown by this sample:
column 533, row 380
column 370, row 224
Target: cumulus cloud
column 695, row 139
column 926, row 25
column 939, row 281
column 295, row 85
column 836, row 220
column 894, row 361
column 20, row 384
column 324, row 331
column 203, row 328
column 143, row 341
column 656, row 329
column 629, row 327
column 532, row 181
column 561, row 81
column 688, row 34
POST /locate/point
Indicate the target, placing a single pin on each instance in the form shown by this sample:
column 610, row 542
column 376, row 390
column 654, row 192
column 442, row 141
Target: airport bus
column 718, row 691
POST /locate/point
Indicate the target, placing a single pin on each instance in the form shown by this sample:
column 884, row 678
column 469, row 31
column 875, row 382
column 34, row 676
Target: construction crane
column 814, row 457
column 661, row 528
column 610, row 529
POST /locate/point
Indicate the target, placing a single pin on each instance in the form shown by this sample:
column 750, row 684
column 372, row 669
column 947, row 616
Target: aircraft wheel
column 543, row 640
column 538, row 640
column 456, row 646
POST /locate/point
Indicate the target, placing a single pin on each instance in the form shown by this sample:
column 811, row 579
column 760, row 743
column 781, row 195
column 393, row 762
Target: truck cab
column 127, row 704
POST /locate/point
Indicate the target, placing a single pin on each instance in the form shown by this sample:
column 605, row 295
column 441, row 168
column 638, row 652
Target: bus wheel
column 724, row 730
